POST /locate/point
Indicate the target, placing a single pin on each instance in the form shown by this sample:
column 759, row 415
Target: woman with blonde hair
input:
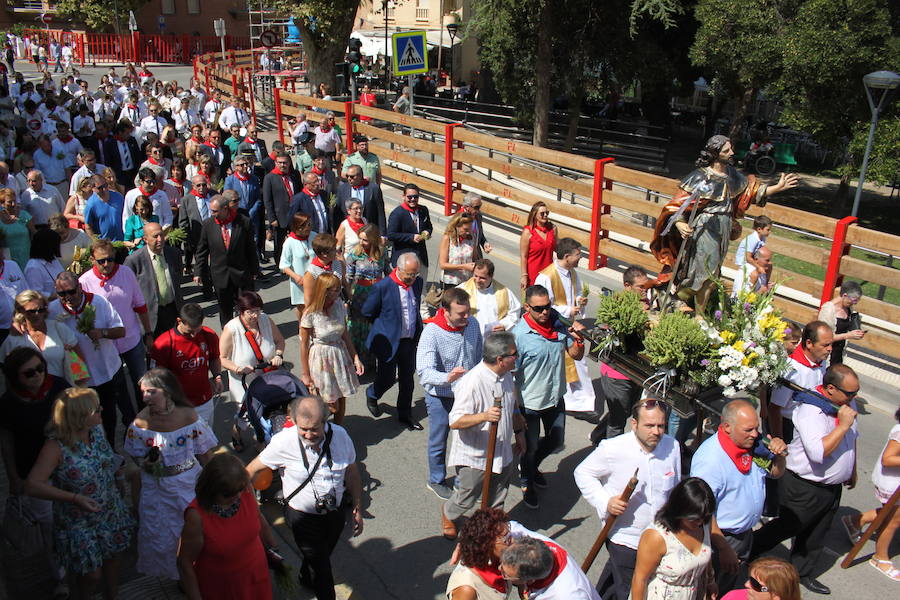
column 32, row 328
column 367, row 264
column 112, row 183
column 458, row 251
column 76, row 469
column 16, row 228
column 770, row 579
column 330, row 362
column 74, row 210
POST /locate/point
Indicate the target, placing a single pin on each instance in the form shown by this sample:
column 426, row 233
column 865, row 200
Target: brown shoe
column 448, row 529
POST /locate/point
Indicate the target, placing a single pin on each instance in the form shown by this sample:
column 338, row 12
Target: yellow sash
column 501, row 296
column 559, row 293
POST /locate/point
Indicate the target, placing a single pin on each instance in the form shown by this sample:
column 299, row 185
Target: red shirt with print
column 188, row 358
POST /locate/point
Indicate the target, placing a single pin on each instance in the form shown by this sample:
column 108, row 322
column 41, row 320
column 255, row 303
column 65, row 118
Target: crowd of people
column 93, row 294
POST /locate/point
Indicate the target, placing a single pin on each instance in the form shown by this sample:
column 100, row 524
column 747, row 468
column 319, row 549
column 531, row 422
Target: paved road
column 401, row 553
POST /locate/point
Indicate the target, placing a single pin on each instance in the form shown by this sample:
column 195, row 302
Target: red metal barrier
column 277, row 100
column 595, row 259
column 839, row 249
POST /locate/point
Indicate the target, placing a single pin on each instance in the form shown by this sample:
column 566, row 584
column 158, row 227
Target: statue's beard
column 726, row 161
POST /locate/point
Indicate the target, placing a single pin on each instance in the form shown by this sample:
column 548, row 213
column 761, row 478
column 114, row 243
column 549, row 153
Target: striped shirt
column 440, row 351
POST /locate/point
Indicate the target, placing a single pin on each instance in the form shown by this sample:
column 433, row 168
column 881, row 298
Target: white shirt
column 233, row 116
column 153, row 124
column 484, row 308
column 83, row 126
column 185, row 119
column 133, row 113
column 12, row 283
column 42, row 204
column 474, row 393
column 41, row 275
column 408, row 308
column 70, row 149
column 571, row 283
column 102, row 362
column 606, row 471
column 284, row 451
column 210, row 110
column 806, row 452
column 299, row 130
column 885, row 479
column 11, row 183
column 81, row 173
column 159, row 200
column 570, row 584
column 803, row 376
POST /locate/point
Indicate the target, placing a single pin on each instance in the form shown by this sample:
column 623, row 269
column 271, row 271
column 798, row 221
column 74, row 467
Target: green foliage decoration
column 676, row 341
column 623, row 313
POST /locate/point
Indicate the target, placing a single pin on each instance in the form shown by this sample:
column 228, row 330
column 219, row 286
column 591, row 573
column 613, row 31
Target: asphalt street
column 401, row 553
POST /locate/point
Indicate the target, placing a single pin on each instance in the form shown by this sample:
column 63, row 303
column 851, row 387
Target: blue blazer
column 383, row 307
column 253, row 193
column 303, row 203
column 401, row 230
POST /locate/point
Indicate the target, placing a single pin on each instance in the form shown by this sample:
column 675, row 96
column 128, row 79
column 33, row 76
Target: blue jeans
column 438, row 429
column 538, row 448
column 680, row 428
column 136, row 361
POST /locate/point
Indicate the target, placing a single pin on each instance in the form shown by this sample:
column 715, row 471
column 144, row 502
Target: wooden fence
column 608, row 208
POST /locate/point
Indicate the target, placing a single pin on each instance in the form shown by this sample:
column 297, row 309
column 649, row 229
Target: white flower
column 724, row 380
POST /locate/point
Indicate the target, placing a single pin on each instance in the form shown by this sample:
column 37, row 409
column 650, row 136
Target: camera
column 326, row 503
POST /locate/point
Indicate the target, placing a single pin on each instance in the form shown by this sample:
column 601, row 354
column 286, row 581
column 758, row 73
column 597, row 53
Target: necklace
column 226, row 512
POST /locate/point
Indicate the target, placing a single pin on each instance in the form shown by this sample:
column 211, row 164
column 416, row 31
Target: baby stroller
column 266, row 400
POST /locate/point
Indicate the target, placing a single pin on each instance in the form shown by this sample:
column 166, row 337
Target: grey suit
column 373, row 205
column 140, row 263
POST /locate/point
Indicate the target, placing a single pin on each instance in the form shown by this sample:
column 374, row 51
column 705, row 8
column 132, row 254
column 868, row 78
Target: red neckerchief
column 241, row 177
column 64, row 140
column 491, row 575
column 132, row 106
column 197, row 194
column 320, row 264
column 299, row 239
column 440, row 319
column 285, row 179
column 152, row 161
column 316, row 170
column 740, row 457
column 145, row 192
column 249, row 141
column 88, row 297
column 799, row 356
column 272, row 156
column 821, row 390
column 39, row 395
column 545, row 331
column 397, row 280
column 560, row 560
column 209, row 144
column 324, row 128
column 145, row 74
column 356, row 226
column 104, row 278
column 406, row 206
column 178, row 182
column 309, row 193
column 365, row 182
column 227, row 220
column 196, row 140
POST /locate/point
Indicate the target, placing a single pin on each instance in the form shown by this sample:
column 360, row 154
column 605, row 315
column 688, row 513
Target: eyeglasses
column 474, row 207
column 850, row 395
column 71, row 292
column 756, row 585
column 29, row 373
column 36, row 311
column 543, row 213
column 413, row 197
column 540, row 309
column 103, row 261
column 653, row 403
column 510, row 355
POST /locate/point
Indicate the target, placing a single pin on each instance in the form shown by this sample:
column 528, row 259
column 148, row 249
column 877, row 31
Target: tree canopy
column 99, row 14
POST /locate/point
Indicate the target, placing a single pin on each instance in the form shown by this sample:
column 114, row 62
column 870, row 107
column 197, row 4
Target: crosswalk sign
column 410, row 53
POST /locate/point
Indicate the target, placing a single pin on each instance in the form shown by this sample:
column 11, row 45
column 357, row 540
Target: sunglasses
column 71, row 292
column 850, row 395
column 29, row 373
column 543, row 213
column 510, row 355
column 36, row 311
column 540, row 309
column 756, row 585
column 415, row 197
column 103, row 261
column 652, row 403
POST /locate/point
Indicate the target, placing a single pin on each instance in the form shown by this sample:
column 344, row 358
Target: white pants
column 207, row 410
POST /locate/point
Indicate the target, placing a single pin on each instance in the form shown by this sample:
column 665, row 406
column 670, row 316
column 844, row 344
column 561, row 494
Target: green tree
column 884, row 160
column 325, row 27
column 98, row 14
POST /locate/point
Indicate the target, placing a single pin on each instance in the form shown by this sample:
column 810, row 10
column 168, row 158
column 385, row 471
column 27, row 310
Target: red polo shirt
column 189, row 359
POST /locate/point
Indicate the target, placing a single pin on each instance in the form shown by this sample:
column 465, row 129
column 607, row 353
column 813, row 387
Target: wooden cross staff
column 489, row 464
column 598, row 543
column 884, row 514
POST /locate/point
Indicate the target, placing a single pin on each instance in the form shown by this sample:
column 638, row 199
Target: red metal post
column 136, row 46
column 250, row 93
column 195, row 68
column 278, row 114
column 206, row 77
column 348, row 115
column 234, row 87
column 448, row 167
column 839, row 249
column 598, row 209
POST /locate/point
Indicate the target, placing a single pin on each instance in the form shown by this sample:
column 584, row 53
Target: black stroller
column 266, row 400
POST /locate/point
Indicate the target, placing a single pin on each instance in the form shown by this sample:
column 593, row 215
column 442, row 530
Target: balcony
column 422, row 14
column 31, row 6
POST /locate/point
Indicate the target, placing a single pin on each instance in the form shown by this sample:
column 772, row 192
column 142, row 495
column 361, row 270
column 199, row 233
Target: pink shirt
column 124, row 293
column 607, row 370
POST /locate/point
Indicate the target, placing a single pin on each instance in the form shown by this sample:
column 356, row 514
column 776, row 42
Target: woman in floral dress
column 91, row 522
column 367, row 264
column 169, row 442
column 330, row 362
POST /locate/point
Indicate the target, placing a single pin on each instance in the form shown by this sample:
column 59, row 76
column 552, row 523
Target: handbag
column 433, row 294
column 21, row 530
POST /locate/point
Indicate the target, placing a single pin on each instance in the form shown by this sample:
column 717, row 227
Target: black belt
column 815, row 483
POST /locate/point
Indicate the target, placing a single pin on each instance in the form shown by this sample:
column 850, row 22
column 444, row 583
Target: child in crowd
column 746, row 250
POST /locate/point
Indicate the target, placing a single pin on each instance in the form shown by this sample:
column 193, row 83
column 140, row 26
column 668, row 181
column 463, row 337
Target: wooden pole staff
column 595, row 549
column 885, row 513
column 489, row 464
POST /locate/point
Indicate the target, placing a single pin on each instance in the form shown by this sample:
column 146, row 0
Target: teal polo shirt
column 540, row 366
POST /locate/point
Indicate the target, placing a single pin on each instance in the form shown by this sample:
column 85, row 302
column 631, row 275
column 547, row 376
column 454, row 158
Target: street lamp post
column 879, row 86
column 452, row 29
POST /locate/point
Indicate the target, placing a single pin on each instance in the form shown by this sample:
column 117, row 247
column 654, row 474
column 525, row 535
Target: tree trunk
column 543, row 67
column 322, row 59
column 574, row 117
column 840, row 203
column 741, row 107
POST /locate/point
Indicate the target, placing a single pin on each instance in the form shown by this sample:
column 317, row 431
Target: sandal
column 854, row 534
column 892, row 572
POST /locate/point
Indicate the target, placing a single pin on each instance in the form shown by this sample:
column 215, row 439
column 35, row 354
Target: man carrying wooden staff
column 605, row 473
column 471, row 418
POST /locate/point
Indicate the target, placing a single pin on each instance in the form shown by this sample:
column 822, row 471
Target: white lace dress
column 330, row 365
column 164, row 496
column 681, row 574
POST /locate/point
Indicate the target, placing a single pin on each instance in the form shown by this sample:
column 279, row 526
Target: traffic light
column 354, row 51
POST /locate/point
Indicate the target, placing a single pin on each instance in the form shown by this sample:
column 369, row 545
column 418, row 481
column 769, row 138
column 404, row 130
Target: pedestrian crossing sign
column 410, row 53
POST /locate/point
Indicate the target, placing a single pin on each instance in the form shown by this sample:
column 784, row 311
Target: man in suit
column 393, row 308
column 311, row 202
column 358, row 188
column 219, row 154
column 226, row 253
column 158, row 269
column 256, row 148
column 472, row 207
column 409, row 226
column 268, row 161
column 122, row 154
column 327, row 179
column 250, row 203
column 278, row 190
column 194, row 209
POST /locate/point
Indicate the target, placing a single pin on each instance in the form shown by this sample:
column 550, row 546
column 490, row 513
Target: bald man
column 158, row 269
column 755, row 278
column 728, row 463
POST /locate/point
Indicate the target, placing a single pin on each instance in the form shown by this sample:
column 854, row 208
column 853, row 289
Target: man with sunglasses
column 149, row 185
column 470, row 420
column 821, row 459
column 409, row 226
column 543, row 343
column 103, row 212
column 603, row 475
column 726, row 462
column 363, row 159
column 97, row 347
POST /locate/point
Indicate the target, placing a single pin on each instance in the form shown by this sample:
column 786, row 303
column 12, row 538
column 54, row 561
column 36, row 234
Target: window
column 167, row 7
column 193, row 7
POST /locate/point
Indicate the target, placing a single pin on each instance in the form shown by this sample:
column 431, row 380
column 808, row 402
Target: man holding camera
column 320, row 482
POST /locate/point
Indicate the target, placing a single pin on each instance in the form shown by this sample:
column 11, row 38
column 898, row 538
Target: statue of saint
column 703, row 217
